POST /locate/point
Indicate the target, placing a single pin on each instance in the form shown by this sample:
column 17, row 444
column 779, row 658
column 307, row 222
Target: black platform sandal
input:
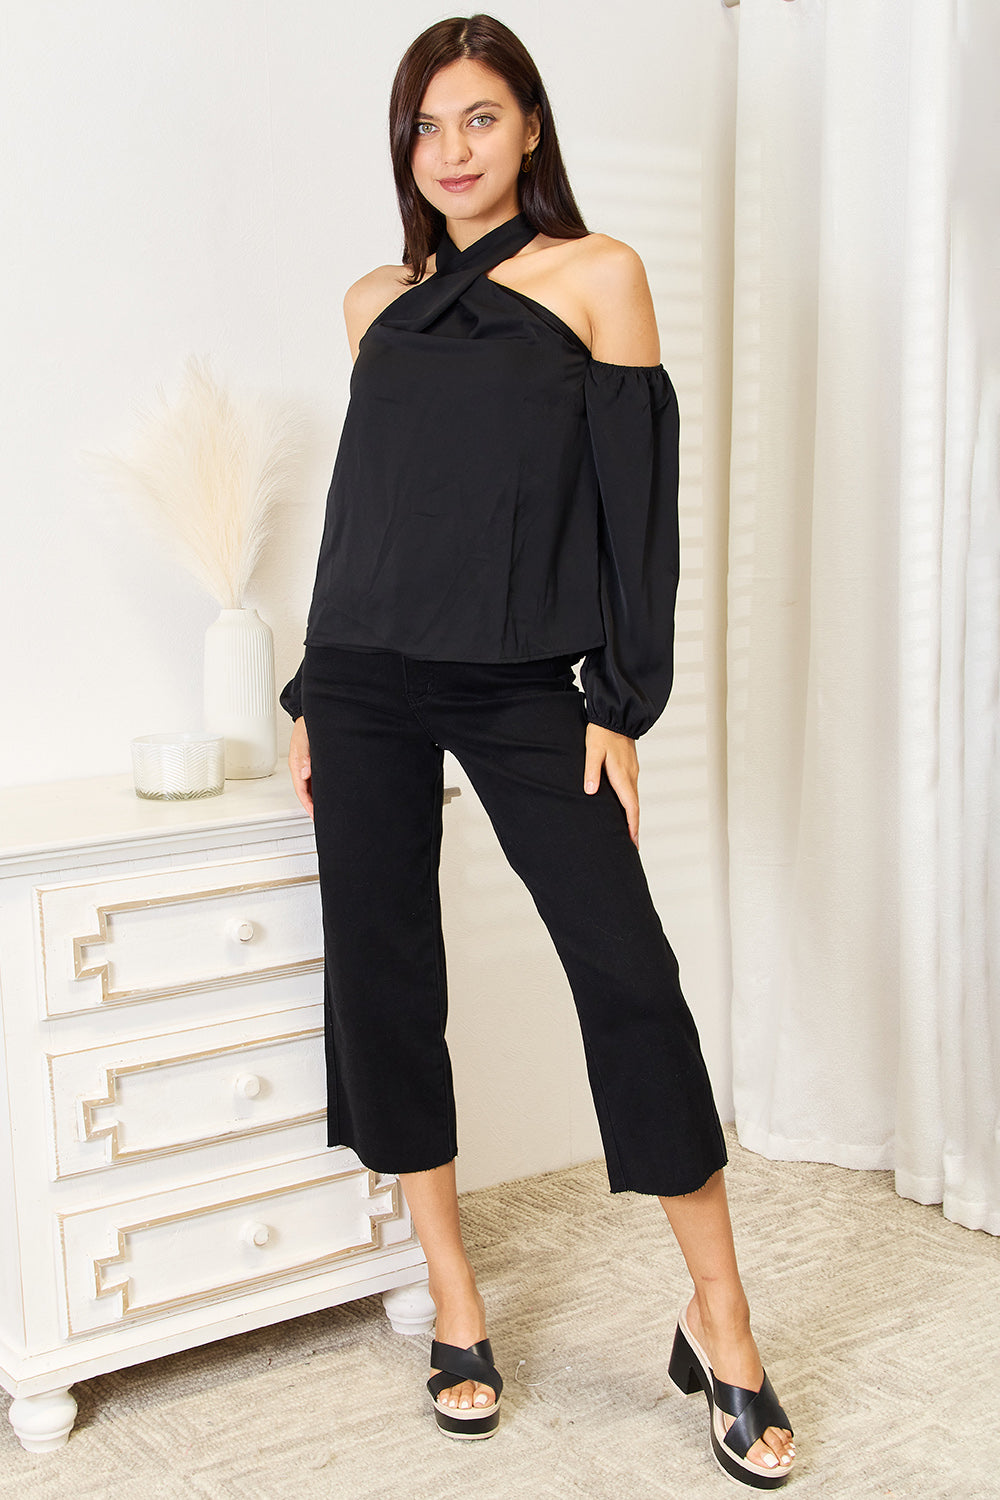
column 754, row 1411
column 454, row 1366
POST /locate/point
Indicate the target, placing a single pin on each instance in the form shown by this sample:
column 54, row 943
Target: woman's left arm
column 616, row 755
column 623, row 333
column 619, row 304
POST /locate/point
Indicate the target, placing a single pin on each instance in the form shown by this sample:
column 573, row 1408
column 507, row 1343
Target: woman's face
column 468, row 140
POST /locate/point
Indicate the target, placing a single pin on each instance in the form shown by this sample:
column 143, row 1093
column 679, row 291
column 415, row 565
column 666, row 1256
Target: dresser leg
column 43, row 1422
column 410, row 1309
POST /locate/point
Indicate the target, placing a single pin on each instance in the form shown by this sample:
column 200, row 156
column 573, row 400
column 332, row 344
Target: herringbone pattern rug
column 879, row 1323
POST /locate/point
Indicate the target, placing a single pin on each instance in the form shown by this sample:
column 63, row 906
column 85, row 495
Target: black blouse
column 500, row 495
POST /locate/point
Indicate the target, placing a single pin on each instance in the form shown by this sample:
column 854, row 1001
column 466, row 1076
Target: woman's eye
column 424, row 127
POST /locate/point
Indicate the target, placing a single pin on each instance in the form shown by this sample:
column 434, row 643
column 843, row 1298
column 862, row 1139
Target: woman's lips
column 458, row 184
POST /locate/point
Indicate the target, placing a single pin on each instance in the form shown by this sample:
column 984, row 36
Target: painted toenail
column 482, row 1399
column 770, row 1460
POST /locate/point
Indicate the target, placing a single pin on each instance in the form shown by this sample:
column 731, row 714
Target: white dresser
column 164, row 1173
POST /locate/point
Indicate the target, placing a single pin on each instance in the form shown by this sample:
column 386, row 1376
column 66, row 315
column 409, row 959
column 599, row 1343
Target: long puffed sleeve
column 290, row 697
column 634, row 430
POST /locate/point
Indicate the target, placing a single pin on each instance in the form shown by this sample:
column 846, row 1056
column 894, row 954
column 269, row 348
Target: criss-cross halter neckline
column 488, row 251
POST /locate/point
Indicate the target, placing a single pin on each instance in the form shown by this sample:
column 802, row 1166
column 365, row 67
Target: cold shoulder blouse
column 500, row 495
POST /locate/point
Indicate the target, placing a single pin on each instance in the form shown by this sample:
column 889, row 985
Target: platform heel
column 752, row 1412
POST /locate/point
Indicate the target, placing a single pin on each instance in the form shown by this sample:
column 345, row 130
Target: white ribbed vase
column 239, row 691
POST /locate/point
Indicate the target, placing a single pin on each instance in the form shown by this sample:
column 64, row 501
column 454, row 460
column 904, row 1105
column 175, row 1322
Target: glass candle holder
column 178, row 767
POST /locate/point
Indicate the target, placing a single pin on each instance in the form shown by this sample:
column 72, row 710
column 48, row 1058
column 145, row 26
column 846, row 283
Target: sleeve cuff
column 630, row 734
column 290, row 697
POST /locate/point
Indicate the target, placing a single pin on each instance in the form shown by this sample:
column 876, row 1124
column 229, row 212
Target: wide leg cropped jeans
column 378, row 724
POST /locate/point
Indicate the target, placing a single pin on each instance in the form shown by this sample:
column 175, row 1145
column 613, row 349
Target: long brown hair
column 544, row 194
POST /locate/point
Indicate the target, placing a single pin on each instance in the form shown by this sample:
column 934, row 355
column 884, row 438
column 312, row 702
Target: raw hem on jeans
column 389, row 1171
column 686, row 1186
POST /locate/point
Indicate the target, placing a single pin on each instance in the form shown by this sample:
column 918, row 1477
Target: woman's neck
column 465, row 232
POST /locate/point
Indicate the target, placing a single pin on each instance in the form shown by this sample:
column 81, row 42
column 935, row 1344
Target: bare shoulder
column 612, row 279
column 610, row 260
column 596, row 260
column 597, row 285
column 375, row 287
column 370, row 295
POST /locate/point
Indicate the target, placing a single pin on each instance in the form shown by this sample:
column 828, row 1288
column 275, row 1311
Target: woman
column 504, row 502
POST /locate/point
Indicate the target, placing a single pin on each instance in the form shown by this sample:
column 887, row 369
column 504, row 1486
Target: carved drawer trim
column 177, row 1091
column 150, row 1256
column 177, row 931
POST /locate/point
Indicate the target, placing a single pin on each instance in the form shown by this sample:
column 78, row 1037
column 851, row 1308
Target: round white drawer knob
column 242, row 931
column 248, row 1085
column 255, row 1234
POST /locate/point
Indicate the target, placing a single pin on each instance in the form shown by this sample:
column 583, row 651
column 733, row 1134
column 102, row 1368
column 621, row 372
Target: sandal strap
column 455, row 1365
column 754, row 1413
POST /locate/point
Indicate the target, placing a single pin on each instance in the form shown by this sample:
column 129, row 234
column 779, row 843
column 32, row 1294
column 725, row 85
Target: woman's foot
column 461, row 1320
column 725, row 1336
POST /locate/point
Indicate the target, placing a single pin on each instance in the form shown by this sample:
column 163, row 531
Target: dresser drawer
column 127, row 1101
column 177, row 931
column 144, row 1258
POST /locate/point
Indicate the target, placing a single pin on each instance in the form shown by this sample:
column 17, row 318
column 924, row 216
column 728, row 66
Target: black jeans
column 378, row 724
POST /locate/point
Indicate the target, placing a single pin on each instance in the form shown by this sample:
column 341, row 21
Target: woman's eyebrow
column 479, row 104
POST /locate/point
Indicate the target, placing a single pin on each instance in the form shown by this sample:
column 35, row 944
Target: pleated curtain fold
column 864, row 594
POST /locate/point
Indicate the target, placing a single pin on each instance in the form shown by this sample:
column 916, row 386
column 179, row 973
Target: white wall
column 209, row 176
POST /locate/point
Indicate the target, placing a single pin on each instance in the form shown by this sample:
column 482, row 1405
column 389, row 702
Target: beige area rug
column 879, row 1323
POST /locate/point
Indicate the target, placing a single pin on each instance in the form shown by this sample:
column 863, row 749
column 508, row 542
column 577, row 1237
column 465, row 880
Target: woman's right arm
column 367, row 297
column 300, row 766
column 290, row 699
column 363, row 301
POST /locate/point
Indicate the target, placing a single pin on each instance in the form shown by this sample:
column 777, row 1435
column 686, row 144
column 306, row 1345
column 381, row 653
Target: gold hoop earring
column 526, row 161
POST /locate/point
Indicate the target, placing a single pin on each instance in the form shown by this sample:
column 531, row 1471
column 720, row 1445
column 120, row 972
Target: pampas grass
column 207, row 471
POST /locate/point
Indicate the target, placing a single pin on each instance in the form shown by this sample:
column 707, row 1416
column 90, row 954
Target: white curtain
column 864, row 594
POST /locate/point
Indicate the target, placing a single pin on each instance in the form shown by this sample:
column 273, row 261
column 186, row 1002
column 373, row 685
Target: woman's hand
column 617, row 755
column 300, row 765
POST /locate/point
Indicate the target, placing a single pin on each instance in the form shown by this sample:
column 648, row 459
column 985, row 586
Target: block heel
column 684, row 1369
column 751, row 1412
